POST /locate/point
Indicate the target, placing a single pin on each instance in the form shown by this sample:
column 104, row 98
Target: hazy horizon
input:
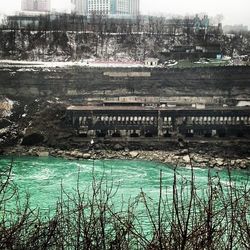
column 233, row 13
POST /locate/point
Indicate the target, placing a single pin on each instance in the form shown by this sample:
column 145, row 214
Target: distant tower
column 79, row 6
column 134, row 7
column 122, row 7
column 35, row 5
column 101, row 7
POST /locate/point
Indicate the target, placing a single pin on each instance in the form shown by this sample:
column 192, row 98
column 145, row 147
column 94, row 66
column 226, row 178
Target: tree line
column 99, row 23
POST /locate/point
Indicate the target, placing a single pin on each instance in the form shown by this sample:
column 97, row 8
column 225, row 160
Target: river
column 42, row 177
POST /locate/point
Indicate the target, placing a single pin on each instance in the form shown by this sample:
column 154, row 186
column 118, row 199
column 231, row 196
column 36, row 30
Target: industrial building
column 148, row 121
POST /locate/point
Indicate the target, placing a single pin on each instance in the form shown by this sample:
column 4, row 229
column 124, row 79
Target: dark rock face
column 220, row 82
column 32, row 139
column 4, row 123
column 118, row 147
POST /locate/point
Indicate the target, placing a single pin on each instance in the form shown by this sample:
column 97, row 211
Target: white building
column 99, row 7
column 134, row 7
column 35, row 5
column 79, row 7
column 122, row 7
column 113, row 7
column 151, row 62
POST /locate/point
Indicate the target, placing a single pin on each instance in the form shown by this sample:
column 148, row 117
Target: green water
column 42, row 177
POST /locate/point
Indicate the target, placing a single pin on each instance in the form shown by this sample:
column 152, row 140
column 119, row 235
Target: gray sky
column 234, row 11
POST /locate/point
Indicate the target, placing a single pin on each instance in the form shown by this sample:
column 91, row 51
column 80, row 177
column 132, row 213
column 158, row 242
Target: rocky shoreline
column 180, row 157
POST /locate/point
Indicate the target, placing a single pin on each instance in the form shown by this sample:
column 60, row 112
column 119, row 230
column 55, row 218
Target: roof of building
column 152, row 59
column 149, row 108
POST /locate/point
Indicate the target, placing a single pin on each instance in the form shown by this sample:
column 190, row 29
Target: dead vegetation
column 216, row 219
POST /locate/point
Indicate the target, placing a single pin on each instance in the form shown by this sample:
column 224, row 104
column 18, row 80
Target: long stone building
column 149, row 121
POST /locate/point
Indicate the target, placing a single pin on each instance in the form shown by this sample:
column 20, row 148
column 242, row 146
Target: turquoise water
column 42, row 177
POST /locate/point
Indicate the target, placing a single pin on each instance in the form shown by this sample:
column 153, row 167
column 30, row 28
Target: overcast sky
column 234, row 11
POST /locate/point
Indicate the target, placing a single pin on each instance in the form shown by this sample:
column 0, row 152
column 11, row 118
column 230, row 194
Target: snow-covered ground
column 84, row 63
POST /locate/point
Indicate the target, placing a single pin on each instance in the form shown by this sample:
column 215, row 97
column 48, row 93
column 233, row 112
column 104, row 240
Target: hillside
column 129, row 46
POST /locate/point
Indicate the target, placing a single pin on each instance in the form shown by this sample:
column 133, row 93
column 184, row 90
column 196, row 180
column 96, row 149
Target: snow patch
column 27, row 70
column 4, row 130
column 31, row 65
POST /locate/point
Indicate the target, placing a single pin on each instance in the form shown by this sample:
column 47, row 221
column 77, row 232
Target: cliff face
column 73, row 82
column 36, row 97
column 62, row 45
column 67, row 45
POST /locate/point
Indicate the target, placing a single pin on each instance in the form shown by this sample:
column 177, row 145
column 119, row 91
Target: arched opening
column 116, row 134
column 240, row 134
column 167, row 134
column 134, row 134
column 189, row 133
column 101, row 133
column 148, row 134
column 83, row 134
column 208, row 134
column 221, row 133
